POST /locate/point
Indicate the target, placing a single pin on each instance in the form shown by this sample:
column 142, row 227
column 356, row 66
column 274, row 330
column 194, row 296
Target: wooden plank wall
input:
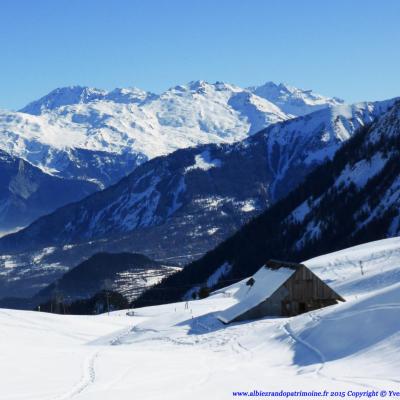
column 304, row 286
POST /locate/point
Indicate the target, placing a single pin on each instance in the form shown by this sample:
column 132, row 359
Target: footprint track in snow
column 87, row 379
column 318, row 371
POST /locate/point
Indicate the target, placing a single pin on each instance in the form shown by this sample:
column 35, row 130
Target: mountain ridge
column 130, row 120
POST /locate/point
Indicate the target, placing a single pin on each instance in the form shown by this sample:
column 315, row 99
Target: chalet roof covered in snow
column 258, row 288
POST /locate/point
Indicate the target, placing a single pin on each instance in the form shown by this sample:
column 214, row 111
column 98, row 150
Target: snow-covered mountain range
column 99, row 136
column 49, row 130
column 183, row 204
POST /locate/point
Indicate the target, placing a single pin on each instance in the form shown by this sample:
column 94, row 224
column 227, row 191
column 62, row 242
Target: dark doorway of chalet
column 285, row 308
column 302, row 308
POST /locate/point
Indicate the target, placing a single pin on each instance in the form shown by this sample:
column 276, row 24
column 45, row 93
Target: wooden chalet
column 280, row 289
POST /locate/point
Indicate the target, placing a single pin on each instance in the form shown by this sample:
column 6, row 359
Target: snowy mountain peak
column 292, row 100
column 202, row 86
column 62, row 97
column 73, row 95
column 198, row 84
column 129, row 95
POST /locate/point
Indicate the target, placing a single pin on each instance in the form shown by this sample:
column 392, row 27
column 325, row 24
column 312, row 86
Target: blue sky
column 344, row 48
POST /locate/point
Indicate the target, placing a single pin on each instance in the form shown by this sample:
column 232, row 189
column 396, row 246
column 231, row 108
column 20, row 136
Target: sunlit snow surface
column 174, row 352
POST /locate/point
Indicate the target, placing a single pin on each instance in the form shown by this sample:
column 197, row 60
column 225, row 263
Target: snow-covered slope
column 184, row 204
column 174, row 352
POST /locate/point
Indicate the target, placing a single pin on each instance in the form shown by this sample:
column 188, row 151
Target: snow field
column 181, row 351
